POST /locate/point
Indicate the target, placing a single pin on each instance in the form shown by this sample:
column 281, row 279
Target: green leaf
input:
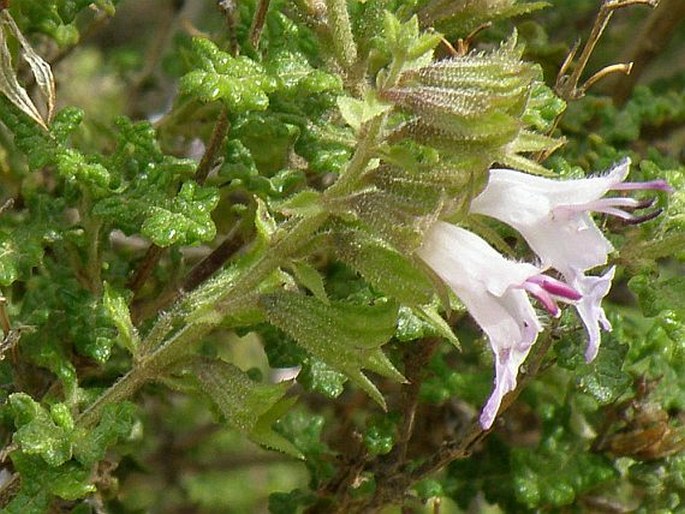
column 391, row 272
column 296, row 76
column 38, row 434
column 317, row 376
column 115, row 303
column 55, row 18
column 543, row 107
column 345, row 336
column 661, row 295
column 557, row 472
column 304, row 203
column 380, row 434
column 604, row 378
column 239, row 82
column 73, row 165
column 185, row 219
column 405, row 41
column 459, row 19
column 246, row 405
column 357, row 112
column 310, row 278
column 24, row 236
column 116, row 423
column 69, row 481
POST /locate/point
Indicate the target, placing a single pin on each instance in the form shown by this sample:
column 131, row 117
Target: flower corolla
column 553, row 216
column 493, row 289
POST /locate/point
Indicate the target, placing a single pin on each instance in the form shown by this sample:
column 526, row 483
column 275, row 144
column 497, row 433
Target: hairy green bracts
column 472, row 106
column 463, row 16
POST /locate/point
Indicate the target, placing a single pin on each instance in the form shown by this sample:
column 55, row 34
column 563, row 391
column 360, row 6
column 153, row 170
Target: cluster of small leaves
column 54, row 456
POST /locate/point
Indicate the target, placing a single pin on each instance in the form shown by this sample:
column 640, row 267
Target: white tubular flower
column 553, row 216
column 493, row 289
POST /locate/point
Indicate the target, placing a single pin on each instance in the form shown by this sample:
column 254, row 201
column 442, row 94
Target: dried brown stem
column 145, row 268
column 216, row 140
column 215, row 260
column 258, row 22
column 228, row 9
column 656, row 32
column 567, row 85
column 415, row 364
column 154, row 252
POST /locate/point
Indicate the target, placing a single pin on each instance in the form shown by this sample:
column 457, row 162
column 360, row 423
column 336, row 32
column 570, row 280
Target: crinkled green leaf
column 69, row 481
column 240, row 166
column 357, row 112
column 661, row 295
column 543, row 107
column 115, row 423
column 241, row 83
column 346, row 337
column 147, row 189
column 557, row 472
column 72, row 164
column 186, row 219
column 297, row 76
column 20, row 250
column 246, row 405
column 317, row 376
column 38, row 433
column 604, row 378
column 268, row 139
column 380, row 434
column 55, row 18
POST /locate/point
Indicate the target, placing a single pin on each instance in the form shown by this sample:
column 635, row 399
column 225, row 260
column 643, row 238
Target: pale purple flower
column 493, row 289
column 553, row 216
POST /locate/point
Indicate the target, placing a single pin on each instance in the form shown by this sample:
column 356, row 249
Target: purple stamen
column 659, row 185
column 556, row 287
column 643, row 204
column 636, row 220
column 609, row 206
column 543, row 297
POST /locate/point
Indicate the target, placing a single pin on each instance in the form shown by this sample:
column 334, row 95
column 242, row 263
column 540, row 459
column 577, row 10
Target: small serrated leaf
column 384, row 268
column 310, row 278
column 247, row 405
column 115, row 303
column 346, row 337
column 37, row 432
column 357, row 112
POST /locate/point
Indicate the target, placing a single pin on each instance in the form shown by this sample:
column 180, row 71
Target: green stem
column 341, row 32
column 148, row 368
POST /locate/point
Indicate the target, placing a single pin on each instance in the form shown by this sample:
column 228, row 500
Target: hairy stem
column 341, row 31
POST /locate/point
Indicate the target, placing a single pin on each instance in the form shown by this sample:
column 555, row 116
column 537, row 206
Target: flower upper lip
column 553, row 216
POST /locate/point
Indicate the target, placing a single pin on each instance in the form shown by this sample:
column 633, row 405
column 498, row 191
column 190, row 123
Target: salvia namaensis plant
column 365, row 236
